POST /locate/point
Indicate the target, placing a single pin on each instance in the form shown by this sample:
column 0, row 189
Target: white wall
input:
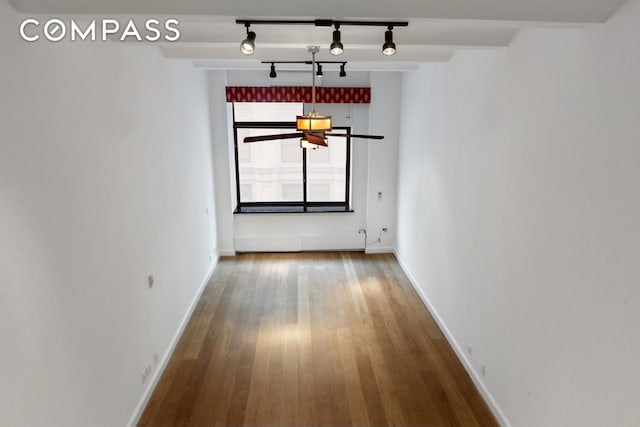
column 221, row 155
column 105, row 177
column 384, row 119
column 518, row 217
column 326, row 231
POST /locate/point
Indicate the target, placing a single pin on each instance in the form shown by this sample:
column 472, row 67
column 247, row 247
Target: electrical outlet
column 379, row 195
column 150, row 280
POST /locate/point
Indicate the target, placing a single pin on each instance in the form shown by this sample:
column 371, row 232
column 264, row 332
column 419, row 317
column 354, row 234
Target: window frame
column 303, row 206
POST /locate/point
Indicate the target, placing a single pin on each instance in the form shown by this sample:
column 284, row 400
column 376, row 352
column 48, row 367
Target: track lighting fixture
column 248, row 45
column 317, row 66
column 336, row 48
column 389, row 47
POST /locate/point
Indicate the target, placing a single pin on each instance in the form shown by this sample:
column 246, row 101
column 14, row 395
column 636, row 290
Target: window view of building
column 275, row 172
column 326, row 177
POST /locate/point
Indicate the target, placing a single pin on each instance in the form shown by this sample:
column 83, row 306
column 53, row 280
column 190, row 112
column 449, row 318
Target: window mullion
column 304, row 177
column 347, row 170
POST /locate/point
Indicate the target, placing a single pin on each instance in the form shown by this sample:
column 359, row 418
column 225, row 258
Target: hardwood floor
column 313, row 339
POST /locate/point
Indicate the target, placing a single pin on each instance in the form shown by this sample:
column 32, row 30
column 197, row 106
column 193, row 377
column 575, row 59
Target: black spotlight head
column 319, row 72
column 336, row 47
column 389, row 47
column 273, row 73
column 343, row 73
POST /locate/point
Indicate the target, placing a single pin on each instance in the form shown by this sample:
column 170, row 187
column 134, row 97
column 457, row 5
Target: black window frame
column 303, row 206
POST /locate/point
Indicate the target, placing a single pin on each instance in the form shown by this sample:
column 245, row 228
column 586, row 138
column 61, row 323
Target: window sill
column 278, row 209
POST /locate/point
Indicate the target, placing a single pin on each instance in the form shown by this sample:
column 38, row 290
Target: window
column 326, row 177
column 278, row 175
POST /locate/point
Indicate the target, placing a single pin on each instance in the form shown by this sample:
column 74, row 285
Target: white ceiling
column 437, row 28
column 527, row 10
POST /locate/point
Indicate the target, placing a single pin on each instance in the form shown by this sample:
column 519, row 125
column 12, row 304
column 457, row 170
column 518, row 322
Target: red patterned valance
column 324, row 95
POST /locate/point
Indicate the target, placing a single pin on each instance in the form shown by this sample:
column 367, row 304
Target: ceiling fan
column 312, row 129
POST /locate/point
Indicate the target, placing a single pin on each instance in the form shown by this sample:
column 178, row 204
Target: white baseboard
column 379, row 250
column 227, row 252
column 137, row 413
column 298, row 242
column 468, row 366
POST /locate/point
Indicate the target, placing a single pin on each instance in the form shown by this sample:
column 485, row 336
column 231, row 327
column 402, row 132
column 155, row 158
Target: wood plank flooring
column 313, row 339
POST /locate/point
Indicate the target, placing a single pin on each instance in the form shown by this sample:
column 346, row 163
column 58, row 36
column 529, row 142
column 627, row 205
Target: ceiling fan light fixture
column 313, row 123
column 336, row 47
column 389, row 47
column 248, row 45
column 304, row 143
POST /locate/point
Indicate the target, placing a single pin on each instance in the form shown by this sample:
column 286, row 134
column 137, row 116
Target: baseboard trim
column 468, row 366
column 379, row 250
column 137, row 413
column 227, row 252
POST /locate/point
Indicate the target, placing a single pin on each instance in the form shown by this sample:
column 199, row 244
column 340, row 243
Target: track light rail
column 322, row 22
column 318, row 71
column 247, row 46
column 303, row 62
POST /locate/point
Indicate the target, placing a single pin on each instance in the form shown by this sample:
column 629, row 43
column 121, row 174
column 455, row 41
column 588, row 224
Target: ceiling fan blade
column 273, row 137
column 315, row 139
column 367, row 136
column 353, row 135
